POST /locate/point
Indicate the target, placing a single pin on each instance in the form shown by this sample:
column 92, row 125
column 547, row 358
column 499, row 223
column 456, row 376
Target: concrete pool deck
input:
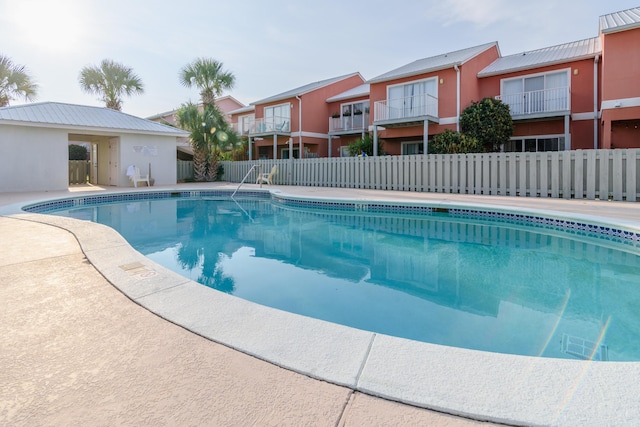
column 74, row 348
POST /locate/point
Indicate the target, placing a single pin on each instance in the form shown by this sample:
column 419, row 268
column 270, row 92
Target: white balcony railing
column 242, row 128
column 270, row 125
column 356, row 122
column 410, row 107
column 537, row 101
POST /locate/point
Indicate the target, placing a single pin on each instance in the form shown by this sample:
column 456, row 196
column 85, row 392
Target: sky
column 270, row 46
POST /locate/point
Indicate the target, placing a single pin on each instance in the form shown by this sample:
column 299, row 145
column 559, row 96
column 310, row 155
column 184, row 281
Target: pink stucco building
column 583, row 94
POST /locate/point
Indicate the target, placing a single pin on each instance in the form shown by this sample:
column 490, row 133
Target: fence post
column 631, row 189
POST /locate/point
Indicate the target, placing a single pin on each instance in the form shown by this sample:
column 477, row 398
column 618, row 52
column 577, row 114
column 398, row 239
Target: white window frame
column 278, row 121
column 244, row 123
column 394, row 105
column 344, row 151
column 537, row 138
column 349, row 122
column 434, row 78
column 544, row 74
column 296, row 153
column 419, row 144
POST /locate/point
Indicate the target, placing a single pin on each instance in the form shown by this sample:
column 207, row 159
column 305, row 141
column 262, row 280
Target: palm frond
column 15, row 82
column 111, row 81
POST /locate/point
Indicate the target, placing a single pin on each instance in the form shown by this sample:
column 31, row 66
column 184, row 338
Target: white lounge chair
column 267, row 177
column 133, row 172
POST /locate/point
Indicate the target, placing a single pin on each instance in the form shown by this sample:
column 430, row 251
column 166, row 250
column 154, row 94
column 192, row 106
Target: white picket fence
column 580, row 174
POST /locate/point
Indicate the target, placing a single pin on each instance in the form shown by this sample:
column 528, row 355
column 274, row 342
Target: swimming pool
column 517, row 390
column 506, row 283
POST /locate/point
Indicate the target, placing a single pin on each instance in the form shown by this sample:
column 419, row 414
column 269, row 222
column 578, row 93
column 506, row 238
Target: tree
column 15, row 82
column 208, row 76
column 210, row 135
column 78, row 152
column 364, row 145
column 111, row 81
column 450, row 142
column 489, row 121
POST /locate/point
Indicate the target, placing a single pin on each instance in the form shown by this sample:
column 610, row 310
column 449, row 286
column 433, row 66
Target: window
column 535, row 144
column 412, row 148
column 344, row 151
column 413, row 99
column 285, row 153
column 277, row 118
column 537, row 94
column 263, row 153
column 244, row 124
column 355, row 115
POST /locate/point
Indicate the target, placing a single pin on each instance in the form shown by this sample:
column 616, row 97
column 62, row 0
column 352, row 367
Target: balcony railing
column 537, row 101
column 242, row 128
column 270, row 125
column 406, row 109
column 354, row 123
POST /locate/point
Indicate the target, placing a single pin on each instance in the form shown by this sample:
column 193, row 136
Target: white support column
column 329, row 145
column 375, row 140
column 290, row 172
column 249, row 148
column 425, row 140
column 275, row 146
column 567, row 135
column 596, row 119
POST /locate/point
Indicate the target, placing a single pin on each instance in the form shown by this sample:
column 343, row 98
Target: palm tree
column 111, row 81
column 210, row 130
column 210, row 135
column 15, row 82
column 208, row 76
column 191, row 119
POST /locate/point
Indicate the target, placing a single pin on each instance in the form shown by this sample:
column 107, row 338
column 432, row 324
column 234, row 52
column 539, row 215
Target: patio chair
column 267, row 177
column 133, row 172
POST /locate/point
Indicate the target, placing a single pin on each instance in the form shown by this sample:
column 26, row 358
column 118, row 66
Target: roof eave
column 103, row 130
column 621, row 28
column 486, row 46
column 342, row 98
column 532, row 67
column 301, row 93
column 357, row 73
column 414, row 73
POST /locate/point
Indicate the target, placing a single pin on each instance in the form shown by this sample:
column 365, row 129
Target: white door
column 114, row 164
column 94, row 164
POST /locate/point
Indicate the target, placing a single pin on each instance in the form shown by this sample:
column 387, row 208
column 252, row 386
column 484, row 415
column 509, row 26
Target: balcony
column 349, row 124
column 538, row 103
column 270, row 125
column 242, row 128
column 403, row 111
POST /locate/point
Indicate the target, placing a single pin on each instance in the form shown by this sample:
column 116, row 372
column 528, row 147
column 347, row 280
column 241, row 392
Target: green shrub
column 364, row 145
column 489, row 121
column 78, row 152
column 450, row 142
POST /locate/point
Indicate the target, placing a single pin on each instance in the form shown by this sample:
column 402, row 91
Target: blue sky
column 269, row 46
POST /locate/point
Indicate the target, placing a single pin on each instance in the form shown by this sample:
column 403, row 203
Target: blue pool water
column 429, row 276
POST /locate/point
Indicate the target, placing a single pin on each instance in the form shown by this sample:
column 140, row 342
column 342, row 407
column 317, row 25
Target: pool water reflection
column 436, row 278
